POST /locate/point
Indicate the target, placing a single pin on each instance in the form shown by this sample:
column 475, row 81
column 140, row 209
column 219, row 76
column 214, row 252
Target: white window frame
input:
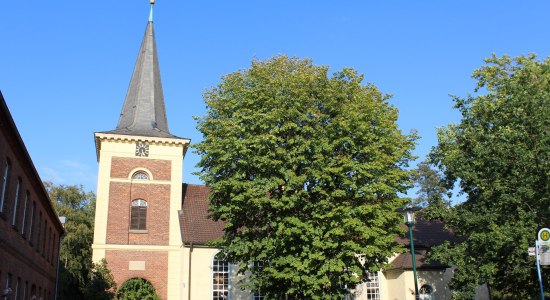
column 140, row 175
column 5, row 177
column 16, row 201
column 372, row 287
column 139, row 203
column 226, row 286
column 24, row 220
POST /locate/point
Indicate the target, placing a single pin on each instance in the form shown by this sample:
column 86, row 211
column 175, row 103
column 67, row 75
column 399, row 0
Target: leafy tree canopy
column 305, row 169
column 432, row 193
column 77, row 271
column 499, row 155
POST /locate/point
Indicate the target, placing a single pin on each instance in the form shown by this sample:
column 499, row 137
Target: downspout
column 189, row 276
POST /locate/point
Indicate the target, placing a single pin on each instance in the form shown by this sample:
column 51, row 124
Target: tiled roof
column 197, row 228
column 195, row 225
column 427, row 234
column 404, row 261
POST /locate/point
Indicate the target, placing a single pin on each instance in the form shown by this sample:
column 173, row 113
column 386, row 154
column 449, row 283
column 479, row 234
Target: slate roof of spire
column 144, row 113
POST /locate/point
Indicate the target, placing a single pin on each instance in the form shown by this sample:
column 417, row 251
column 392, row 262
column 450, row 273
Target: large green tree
column 305, row 169
column 499, row 155
column 79, row 278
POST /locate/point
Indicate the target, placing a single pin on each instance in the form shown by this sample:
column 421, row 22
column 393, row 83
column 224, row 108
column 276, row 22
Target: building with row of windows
column 149, row 225
column 29, row 227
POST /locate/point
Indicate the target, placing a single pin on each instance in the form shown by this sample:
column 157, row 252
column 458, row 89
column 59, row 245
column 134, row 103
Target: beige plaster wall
column 399, row 284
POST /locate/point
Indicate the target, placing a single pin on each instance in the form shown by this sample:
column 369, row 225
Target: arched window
column 140, row 175
column 426, row 292
column 138, row 215
column 220, row 278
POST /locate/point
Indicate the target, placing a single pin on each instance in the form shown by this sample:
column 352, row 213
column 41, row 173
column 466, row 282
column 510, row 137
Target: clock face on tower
column 142, row 149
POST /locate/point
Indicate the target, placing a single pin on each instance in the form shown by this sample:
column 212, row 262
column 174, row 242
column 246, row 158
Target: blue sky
column 65, row 65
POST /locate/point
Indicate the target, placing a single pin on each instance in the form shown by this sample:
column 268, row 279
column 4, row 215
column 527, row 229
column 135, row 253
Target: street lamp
column 408, row 211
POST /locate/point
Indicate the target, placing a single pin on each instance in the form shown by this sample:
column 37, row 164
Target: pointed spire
column 144, row 113
column 151, row 12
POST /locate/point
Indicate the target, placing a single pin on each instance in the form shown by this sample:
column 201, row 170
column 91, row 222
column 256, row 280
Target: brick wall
column 155, row 271
column 158, row 212
column 29, row 228
column 122, row 166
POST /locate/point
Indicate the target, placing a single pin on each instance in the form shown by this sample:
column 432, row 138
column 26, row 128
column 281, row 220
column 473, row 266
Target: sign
column 531, row 251
column 543, row 244
column 544, row 235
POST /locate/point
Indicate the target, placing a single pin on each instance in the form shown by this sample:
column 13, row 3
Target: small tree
column 137, row 289
column 101, row 286
column 432, row 193
column 305, row 169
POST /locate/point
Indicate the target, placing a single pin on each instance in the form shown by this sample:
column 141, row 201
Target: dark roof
column 197, row 228
column 427, row 234
column 195, row 225
column 144, row 113
column 404, row 261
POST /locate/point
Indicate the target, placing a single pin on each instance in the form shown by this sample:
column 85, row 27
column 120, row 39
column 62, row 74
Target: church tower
column 139, row 190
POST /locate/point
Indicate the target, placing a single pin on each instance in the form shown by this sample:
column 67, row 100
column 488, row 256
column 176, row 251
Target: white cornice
column 102, row 137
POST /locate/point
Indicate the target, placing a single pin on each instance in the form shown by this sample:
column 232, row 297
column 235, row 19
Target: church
column 150, row 225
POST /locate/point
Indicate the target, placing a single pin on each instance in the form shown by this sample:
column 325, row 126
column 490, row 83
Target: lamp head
column 408, row 212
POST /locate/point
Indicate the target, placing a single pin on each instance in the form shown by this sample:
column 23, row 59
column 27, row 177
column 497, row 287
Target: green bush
column 137, row 289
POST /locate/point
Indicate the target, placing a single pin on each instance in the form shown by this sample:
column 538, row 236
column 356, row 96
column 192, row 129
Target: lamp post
column 408, row 211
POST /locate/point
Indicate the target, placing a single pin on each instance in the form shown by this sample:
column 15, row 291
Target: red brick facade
column 156, row 266
column 157, row 196
column 29, row 227
column 122, row 166
column 118, row 222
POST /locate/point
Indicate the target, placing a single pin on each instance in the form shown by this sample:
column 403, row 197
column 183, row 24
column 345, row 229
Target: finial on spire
column 151, row 12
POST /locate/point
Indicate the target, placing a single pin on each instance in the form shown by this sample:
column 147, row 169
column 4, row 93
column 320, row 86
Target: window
column 49, row 247
column 8, row 282
column 44, row 238
column 32, row 221
column 24, row 221
column 140, row 175
column 25, row 290
column 372, row 287
column 220, row 278
column 39, row 232
column 16, row 203
column 17, row 284
column 426, row 292
column 138, row 215
column 54, row 248
column 4, row 185
column 33, row 292
column 259, row 266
